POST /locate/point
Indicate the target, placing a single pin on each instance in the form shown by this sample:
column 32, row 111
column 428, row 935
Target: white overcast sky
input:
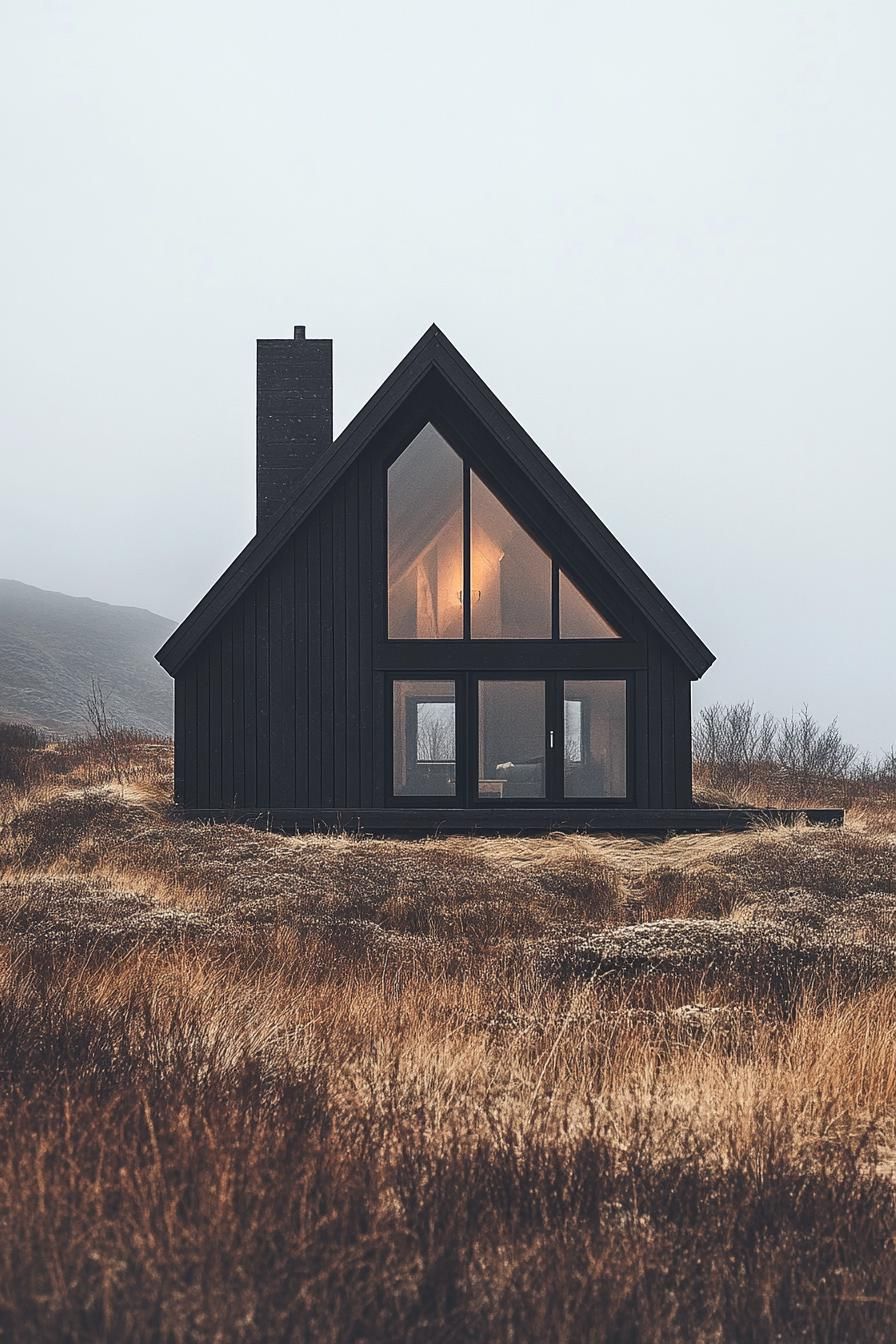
column 663, row 233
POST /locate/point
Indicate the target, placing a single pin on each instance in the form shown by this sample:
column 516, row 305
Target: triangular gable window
column 511, row 575
column 426, row 540
column 578, row 618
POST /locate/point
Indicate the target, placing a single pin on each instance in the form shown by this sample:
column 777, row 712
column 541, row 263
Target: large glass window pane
column 594, row 739
column 511, row 739
column 424, row 756
column 578, row 618
column 510, row 575
column 425, row 508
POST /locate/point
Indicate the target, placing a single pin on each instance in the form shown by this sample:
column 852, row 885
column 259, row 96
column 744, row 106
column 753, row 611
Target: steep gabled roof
column 434, row 352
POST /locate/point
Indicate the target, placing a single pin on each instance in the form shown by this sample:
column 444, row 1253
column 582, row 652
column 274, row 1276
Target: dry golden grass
column 258, row 1087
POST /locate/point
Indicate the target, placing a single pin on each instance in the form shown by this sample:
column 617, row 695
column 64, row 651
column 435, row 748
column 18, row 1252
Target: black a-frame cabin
column 430, row 630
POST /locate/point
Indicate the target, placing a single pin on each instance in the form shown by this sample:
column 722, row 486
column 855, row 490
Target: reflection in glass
column 510, row 575
column 423, row 739
column 594, row 739
column 425, row 521
column 578, row 618
column 511, row 739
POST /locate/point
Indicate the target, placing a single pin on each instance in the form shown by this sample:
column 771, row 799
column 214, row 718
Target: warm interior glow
column 425, row 507
column 485, row 569
column 509, row 570
column 510, row 574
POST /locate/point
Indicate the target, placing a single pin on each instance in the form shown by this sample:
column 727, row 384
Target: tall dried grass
column 258, row 1087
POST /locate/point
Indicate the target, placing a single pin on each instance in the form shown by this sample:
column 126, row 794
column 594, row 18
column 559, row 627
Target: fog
column 663, row 234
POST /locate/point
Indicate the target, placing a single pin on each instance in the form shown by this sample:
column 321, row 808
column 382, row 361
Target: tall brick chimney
column 294, row 418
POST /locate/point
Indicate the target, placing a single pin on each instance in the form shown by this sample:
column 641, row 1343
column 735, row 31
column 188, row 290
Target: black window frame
column 466, row 721
column 466, row 638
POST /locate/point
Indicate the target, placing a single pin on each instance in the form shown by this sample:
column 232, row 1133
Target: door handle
column 551, row 739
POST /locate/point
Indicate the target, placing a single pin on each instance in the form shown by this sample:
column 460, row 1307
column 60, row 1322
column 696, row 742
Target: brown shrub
column 158, row 1180
column 255, row 1087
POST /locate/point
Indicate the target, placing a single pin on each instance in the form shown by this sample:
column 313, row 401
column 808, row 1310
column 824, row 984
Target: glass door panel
column 594, row 739
column 512, row 739
column 424, row 739
column 524, row 738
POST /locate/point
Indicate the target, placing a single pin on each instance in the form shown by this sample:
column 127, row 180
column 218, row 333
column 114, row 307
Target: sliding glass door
column 476, row 740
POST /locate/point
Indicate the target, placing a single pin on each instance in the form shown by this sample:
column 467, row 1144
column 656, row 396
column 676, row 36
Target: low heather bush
column 268, row 1088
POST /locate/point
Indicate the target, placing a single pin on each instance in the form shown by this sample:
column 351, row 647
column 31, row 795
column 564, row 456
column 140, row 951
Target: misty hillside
column 51, row 645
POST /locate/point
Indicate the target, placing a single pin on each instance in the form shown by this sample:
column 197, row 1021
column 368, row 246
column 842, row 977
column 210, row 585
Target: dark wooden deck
column 516, row 821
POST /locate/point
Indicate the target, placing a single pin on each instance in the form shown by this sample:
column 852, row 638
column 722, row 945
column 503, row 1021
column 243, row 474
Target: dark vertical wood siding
column 275, row 709
column 684, row 789
column 662, row 730
column 283, row 705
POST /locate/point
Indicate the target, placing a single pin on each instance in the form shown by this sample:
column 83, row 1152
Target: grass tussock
column 259, row 1087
